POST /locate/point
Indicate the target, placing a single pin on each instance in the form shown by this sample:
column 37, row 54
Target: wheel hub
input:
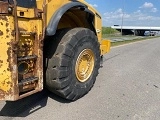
column 84, row 65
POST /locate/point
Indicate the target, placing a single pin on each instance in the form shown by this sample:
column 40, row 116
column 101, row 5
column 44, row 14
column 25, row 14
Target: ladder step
column 27, row 57
column 25, row 33
column 28, row 84
column 28, row 80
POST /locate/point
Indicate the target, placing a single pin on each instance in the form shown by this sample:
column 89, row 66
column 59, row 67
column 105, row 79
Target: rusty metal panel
column 4, row 7
column 8, row 67
column 21, row 41
column 12, row 53
column 36, row 27
column 31, row 43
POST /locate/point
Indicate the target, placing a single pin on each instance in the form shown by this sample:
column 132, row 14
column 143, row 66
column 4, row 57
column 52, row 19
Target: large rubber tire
column 62, row 53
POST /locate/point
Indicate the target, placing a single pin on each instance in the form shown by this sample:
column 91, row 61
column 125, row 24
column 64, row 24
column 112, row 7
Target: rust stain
column 4, row 7
column 37, row 13
column 9, row 51
column 7, row 30
column 8, row 92
column 14, row 76
column 28, row 75
column 13, row 33
column 8, row 43
column 41, row 48
column 14, row 45
column 1, row 33
column 25, row 48
column 5, row 93
column 12, row 56
column 2, row 94
column 41, row 42
column 10, row 84
column 36, row 47
column 1, row 63
column 7, row 24
column 3, row 18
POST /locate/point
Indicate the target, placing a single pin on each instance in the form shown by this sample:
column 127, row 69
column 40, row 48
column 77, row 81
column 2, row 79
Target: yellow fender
column 105, row 46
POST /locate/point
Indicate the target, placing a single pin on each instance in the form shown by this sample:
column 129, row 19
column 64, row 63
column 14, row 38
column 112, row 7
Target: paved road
column 127, row 88
column 127, row 37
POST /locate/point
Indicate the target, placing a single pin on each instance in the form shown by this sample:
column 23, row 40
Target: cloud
column 118, row 14
column 119, row 10
column 138, row 11
column 94, row 5
column 154, row 10
column 135, row 18
column 147, row 5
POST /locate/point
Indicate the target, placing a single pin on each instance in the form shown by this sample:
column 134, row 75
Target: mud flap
column 105, row 46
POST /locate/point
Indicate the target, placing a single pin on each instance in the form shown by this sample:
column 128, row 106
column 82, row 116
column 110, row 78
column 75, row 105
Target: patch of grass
column 107, row 31
column 110, row 35
column 130, row 41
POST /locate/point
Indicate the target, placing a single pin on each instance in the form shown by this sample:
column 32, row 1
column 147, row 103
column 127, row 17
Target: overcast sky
column 134, row 12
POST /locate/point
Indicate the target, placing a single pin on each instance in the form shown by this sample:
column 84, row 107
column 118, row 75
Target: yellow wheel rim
column 84, row 65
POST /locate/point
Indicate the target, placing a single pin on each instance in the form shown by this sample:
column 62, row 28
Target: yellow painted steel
column 6, row 67
column 105, row 46
column 53, row 6
column 84, row 65
column 25, row 12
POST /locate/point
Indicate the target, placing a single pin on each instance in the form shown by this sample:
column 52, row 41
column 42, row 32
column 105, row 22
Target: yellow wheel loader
column 54, row 44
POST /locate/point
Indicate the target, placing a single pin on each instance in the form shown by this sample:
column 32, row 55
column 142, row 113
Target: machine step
column 27, row 58
column 28, row 84
column 25, row 33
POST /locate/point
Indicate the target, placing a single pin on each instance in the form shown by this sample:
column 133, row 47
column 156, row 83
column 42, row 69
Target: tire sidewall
column 85, row 42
